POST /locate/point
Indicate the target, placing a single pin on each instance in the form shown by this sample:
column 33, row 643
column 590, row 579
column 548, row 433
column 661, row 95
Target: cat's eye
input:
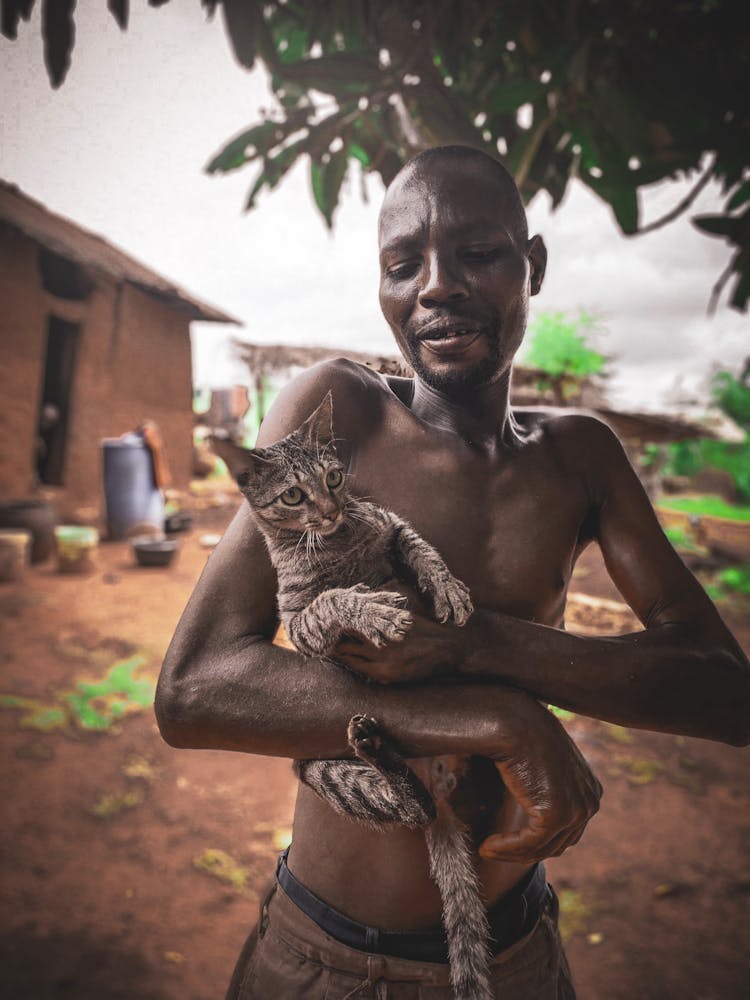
column 292, row 497
column 334, row 478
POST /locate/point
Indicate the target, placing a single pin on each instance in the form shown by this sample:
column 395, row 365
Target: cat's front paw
column 381, row 617
column 451, row 600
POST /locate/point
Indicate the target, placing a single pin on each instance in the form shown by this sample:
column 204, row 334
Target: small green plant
column 709, row 504
column 731, row 394
column 736, row 578
column 558, row 347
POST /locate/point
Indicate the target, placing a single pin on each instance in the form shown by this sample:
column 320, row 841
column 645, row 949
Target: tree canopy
column 618, row 94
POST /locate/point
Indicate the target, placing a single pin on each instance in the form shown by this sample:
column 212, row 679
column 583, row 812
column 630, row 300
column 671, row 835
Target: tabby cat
column 332, row 554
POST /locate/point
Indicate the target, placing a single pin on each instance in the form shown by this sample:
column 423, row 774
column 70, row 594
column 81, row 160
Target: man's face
column 456, row 273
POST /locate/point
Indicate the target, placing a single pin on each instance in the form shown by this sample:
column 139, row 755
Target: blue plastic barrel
column 130, row 492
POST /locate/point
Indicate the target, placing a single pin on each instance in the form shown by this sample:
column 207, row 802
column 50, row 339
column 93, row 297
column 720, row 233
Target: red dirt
column 656, row 895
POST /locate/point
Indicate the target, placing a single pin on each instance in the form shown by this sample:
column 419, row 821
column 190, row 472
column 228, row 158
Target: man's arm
column 684, row 673
column 224, row 685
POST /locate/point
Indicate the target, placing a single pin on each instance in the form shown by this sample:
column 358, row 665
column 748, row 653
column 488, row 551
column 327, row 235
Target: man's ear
column 536, row 251
column 319, row 425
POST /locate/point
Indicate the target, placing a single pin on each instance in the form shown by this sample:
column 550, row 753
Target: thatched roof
column 92, row 252
column 655, row 428
column 268, row 358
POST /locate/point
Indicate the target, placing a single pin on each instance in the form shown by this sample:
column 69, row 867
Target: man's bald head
column 438, row 162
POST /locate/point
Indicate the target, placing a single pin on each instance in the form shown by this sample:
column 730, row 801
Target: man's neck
column 479, row 416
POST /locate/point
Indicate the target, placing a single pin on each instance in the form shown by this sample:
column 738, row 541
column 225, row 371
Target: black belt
column 510, row 919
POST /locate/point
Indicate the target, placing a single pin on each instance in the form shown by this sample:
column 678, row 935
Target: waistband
column 510, row 919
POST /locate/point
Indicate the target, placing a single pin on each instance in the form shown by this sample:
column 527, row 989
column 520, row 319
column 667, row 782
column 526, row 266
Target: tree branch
column 681, row 206
column 719, row 286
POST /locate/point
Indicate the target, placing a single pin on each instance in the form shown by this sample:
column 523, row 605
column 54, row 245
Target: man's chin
column 452, row 379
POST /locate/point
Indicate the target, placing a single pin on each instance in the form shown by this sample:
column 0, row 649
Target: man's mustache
column 445, row 323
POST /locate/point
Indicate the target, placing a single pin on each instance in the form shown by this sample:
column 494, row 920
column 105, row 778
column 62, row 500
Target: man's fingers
column 525, row 844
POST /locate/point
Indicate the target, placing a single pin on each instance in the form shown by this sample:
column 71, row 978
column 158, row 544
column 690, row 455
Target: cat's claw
column 451, row 600
column 383, row 618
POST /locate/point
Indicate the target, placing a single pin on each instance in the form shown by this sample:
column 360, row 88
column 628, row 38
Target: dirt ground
column 131, row 870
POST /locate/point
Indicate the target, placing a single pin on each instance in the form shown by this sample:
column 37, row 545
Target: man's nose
column 443, row 283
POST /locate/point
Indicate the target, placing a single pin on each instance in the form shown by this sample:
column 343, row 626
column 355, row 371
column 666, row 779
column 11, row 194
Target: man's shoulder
column 581, row 439
column 357, row 392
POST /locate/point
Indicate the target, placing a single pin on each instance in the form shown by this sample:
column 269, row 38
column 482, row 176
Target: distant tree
column 558, row 347
column 618, row 94
column 732, row 395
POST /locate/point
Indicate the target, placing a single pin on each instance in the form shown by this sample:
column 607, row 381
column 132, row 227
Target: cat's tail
column 464, row 915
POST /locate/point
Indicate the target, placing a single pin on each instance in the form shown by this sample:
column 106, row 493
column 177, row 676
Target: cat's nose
column 328, row 511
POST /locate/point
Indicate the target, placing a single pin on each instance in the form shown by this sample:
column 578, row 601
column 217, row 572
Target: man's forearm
column 259, row 698
column 665, row 678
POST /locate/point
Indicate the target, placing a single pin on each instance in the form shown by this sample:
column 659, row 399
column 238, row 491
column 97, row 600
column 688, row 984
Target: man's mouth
column 449, row 336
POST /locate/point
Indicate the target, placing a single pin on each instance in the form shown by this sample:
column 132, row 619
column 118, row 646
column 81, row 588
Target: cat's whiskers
column 300, row 540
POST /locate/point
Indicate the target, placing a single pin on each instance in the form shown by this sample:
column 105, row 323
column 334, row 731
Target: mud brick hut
column 92, row 343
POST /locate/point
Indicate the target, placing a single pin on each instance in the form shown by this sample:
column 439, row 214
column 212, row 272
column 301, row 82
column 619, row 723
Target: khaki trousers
column 288, row 957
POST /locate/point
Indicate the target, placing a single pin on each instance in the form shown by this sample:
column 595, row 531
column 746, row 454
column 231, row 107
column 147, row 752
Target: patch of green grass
column 222, row 866
column 711, row 505
column 637, row 771
column 114, row 802
column 681, row 540
column 575, row 913
column 96, row 705
column 736, row 578
column 93, row 705
column 36, row 714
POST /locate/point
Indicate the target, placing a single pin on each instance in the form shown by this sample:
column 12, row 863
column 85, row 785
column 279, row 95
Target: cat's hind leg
column 354, row 788
column 415, row 805
column 377, row 788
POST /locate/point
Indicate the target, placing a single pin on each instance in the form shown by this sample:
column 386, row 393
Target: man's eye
column 404, row 270
column 292, row 497
column 334, row 478
column 482, row 254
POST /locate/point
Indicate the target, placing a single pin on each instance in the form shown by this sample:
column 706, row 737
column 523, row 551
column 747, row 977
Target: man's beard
column 460, row 379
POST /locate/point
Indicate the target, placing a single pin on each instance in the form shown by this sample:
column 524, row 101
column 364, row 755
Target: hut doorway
column 54, row 403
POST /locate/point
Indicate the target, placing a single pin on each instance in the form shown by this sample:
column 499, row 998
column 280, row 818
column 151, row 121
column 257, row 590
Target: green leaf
column 327, row 179
column 119, row 10
column 263, row 137
column 244, row 23
column 624, row 203
column 292, row 46
column 716, row 225
column 12, row 12
column 741, row 291
column 510, row 96
column 59, row 35
column 275, row 167
column 740, row 196
column 340, row 73
column 357, row 152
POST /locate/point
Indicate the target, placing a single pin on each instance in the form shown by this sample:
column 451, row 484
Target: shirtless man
column 510, row 501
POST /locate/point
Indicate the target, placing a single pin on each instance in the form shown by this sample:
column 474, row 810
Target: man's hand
column 428, row 649
column 555, row 787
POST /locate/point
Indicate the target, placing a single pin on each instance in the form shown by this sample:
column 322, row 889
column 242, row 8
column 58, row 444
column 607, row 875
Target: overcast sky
column 121, row 147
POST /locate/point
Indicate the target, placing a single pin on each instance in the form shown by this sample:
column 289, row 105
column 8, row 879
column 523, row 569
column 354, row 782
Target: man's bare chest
column 509, row 530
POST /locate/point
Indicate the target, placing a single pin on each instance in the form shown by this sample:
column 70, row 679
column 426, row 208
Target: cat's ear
column 254, row 474
column 319, row 425
column 243, row 463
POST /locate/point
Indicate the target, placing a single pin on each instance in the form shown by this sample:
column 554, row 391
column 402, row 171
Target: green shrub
column 557, row 345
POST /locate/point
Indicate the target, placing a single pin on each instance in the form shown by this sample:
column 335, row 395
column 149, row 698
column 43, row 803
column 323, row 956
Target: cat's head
column 298, row 483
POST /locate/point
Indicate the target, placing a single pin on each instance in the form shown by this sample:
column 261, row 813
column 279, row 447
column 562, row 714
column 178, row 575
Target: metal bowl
column 155, row 551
